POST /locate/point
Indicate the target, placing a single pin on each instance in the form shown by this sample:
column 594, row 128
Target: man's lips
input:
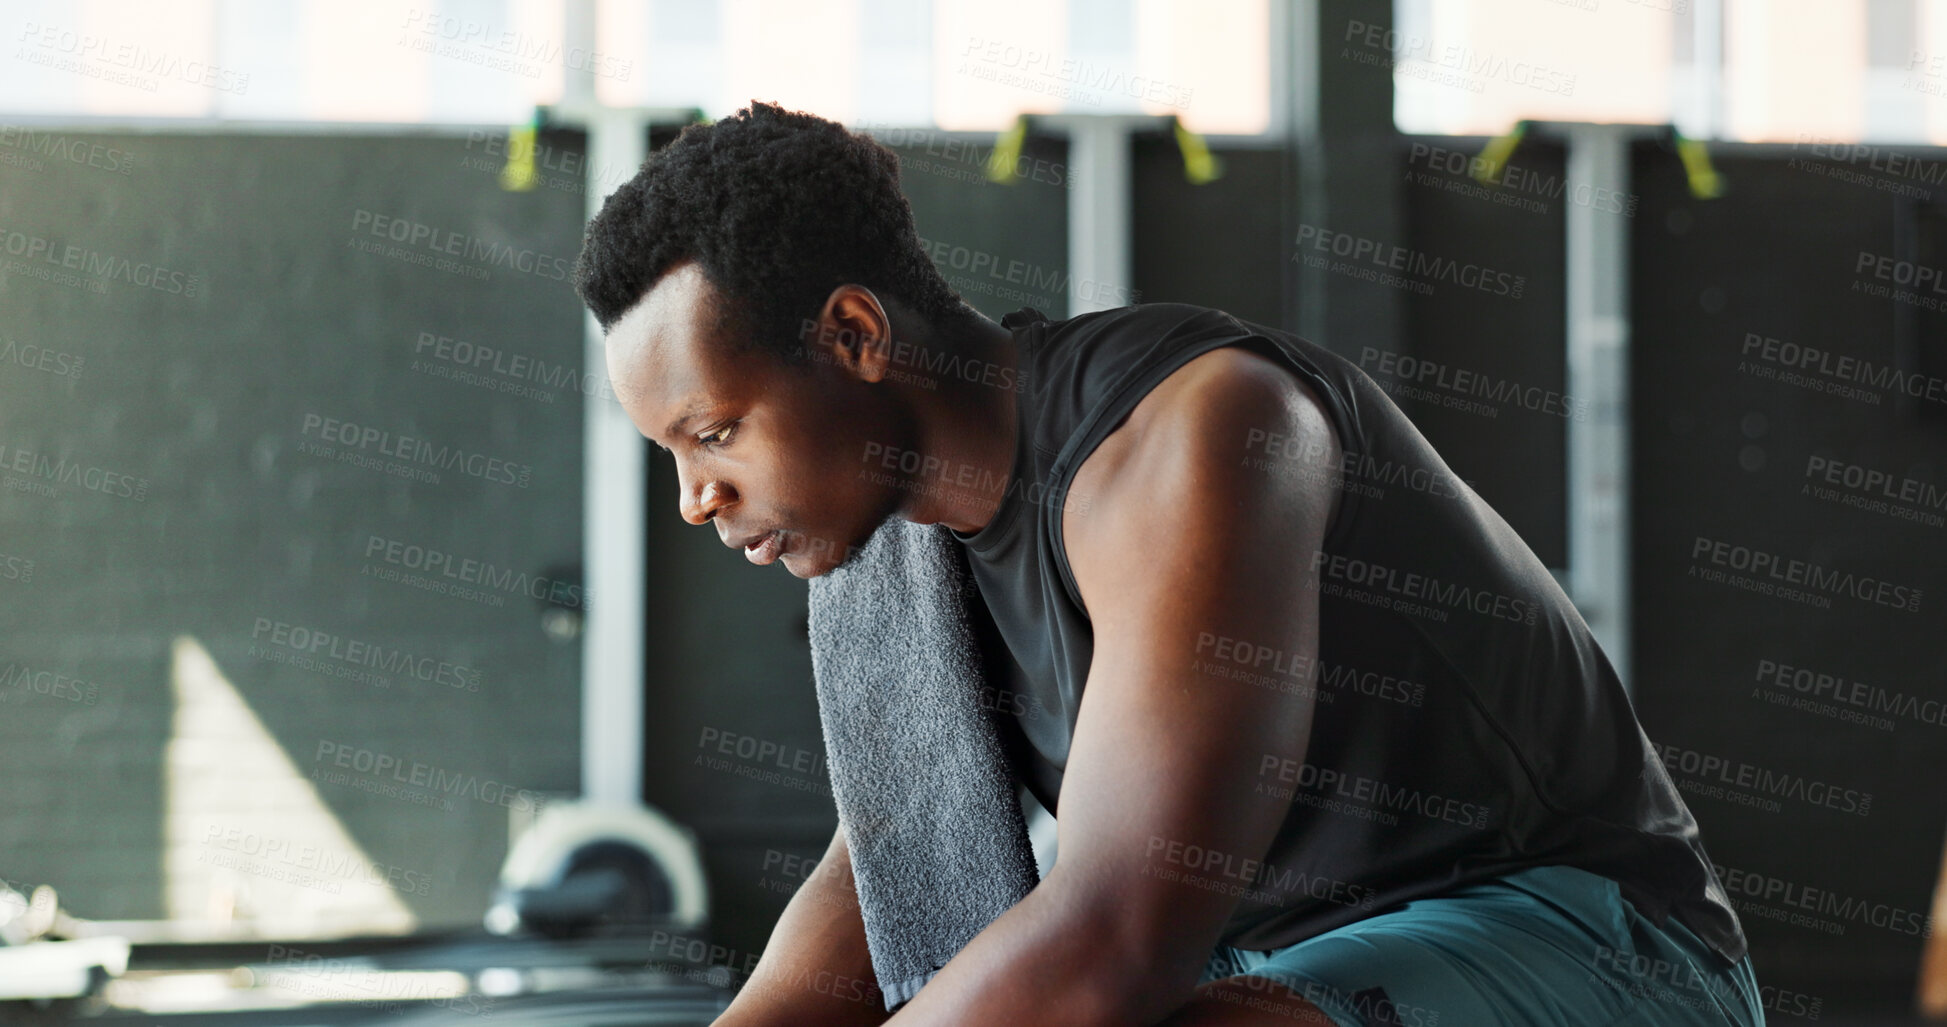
column 763, row 549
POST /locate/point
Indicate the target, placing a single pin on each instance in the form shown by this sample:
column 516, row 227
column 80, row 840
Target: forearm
column 816, row 971
column 1054, row 960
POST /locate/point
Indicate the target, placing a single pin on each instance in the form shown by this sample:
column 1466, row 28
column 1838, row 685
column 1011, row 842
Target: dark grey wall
column 1510, row 229
column 215, row 299
column 1724, row 438
column 1220, row 244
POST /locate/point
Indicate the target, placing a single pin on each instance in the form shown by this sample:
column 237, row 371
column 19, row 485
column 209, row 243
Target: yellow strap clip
column 1705, row 182
column 1007, row 151
column 1495, row 155
column 1200, row 166
column 518, row 175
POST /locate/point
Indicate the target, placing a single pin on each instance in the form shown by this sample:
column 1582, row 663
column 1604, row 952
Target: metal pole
column 614, row 515
column 1098, row 214
column 1707, row 66
column 1099, row 245
column 614, row 486
column 614, row 497
column 1597, row 247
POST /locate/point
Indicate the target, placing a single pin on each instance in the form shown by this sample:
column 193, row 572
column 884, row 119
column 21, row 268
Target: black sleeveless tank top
column 1466, row 723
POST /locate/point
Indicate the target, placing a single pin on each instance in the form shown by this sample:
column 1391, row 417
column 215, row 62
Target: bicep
column 1195, row 556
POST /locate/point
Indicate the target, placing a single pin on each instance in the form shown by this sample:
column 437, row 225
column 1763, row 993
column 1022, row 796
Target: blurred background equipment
column 585, row 868
column 42, row 977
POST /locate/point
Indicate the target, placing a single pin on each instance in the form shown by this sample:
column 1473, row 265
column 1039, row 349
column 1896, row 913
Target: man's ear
column 854, row 332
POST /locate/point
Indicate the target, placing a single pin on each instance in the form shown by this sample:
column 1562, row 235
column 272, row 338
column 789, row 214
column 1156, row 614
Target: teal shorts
column 1550, row 946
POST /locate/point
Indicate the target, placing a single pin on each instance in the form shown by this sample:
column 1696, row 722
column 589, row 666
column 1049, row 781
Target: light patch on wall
column 249, row 847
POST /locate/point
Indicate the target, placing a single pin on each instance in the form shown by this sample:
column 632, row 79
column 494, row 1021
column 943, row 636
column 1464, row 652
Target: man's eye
column 720, row 436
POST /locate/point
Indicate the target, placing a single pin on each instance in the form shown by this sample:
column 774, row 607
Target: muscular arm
column 816, row 971
column 1184, row 541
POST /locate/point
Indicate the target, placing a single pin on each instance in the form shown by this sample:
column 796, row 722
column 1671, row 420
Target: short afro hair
column 778, row 208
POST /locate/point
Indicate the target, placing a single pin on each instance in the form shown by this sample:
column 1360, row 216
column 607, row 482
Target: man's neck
column 966, row 426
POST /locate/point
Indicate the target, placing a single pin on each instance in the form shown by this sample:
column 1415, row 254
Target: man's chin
column 817, row 563
column 804, row 568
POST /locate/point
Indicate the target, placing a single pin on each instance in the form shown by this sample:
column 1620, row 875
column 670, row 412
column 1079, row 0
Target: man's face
column 760, row 447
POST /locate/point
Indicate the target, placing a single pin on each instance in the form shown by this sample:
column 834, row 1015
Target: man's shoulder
column 1190, row 439
column 1218, row 403
column 1138, row 317
column 1096, row 358
column 1130, row 389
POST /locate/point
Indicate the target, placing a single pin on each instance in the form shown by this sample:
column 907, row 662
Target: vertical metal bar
column 1098, row 212
column 1707, row 64
column 577, row 69
column 1287, row 78
column 614, row 485
column 1597, row 247
column 614, row 519
column 1305, row 198
column 1347, row 164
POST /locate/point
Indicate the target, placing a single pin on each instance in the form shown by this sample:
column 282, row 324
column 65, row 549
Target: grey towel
column 938, row 843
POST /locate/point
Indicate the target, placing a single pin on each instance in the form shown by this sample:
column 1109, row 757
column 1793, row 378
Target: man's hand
column 1186, row 540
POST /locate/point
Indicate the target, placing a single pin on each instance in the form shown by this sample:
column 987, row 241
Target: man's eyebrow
column 694, row 411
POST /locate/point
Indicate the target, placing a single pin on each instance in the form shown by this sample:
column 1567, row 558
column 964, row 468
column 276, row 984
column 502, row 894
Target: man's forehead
column 655, row 345
column 655, row 377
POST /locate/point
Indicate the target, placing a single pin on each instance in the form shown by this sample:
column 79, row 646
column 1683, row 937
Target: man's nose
column 700, row 502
